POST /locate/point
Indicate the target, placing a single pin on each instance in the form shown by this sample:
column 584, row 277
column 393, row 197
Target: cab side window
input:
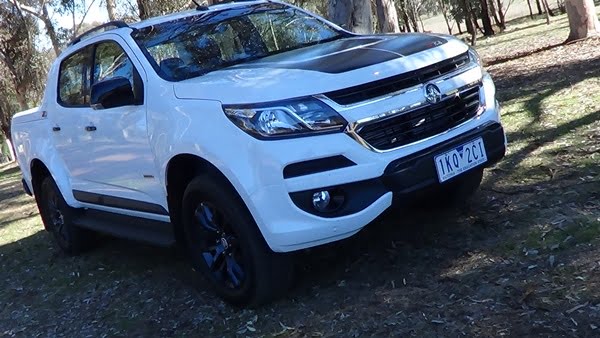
column 111, row 61
column 74, row 80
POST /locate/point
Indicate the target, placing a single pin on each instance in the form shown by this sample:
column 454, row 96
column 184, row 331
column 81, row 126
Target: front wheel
column 227, row 248
column 458, row 192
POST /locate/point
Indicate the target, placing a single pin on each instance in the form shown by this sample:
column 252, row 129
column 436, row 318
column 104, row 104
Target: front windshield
column 195, row 45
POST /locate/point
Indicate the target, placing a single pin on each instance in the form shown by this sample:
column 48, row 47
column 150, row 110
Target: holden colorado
column 248, row 130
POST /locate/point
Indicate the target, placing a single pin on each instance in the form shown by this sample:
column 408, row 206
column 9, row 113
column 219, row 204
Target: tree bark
column 539, row 7
column 404, row 14
column 547, row 11
column 110, row 8
column 362, row 21
column 488, row 30
column 387, row 17
column 469, row 21
column 502, row 14
column 474, row 17
column 530, row 10
column 353, row 15
column 7, row 136
column 492, row 9
column 143, row 12
column 447, row 21
column 460, row 31
column 583, row 21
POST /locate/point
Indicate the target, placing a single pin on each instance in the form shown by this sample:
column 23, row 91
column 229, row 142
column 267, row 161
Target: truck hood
column 320, row 68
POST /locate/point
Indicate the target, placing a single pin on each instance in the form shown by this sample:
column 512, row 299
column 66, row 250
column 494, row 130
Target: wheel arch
column 179, row 172
column 38, row 169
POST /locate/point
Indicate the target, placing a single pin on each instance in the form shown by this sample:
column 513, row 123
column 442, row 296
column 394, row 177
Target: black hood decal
column 349, row 53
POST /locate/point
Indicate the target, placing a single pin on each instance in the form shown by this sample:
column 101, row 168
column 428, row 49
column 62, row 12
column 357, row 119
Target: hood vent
column 397, row 83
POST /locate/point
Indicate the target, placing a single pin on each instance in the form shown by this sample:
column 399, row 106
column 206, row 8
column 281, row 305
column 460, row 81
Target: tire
column 458, row 192
column 226, row 247
column 58, row 218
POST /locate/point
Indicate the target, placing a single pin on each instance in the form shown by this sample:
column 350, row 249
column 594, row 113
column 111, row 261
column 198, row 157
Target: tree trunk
column 583, row 21
column 494, row 12
column 547, row 8
column 530, row 10
column 474, row 17
column 362, row 21
column 404, row 14
column 50, row 30
column 502, row 15
column 469, row 21
column 488, row 30
column 110, row 8
column 414, row 22
column 7, row 136
column 460, row 31
column 547, row 11
column 143, row 9
column 387, row 17
column 539, row 7
column 447, row 22
column 353, row 15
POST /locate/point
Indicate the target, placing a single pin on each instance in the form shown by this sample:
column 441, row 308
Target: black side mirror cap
column 111, row 93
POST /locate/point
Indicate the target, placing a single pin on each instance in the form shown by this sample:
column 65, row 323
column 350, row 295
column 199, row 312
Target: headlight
column 474, row 56
column 286, row 119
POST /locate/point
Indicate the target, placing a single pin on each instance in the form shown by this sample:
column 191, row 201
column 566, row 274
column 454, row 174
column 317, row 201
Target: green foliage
column 22, row 65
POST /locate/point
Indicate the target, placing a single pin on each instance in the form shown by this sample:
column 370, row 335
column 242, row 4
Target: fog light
column 321, row 200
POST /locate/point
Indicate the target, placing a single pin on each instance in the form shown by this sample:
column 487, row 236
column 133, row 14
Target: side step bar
column 129, row 227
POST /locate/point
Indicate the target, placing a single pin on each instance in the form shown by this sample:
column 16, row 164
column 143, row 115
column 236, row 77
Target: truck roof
column 191, row 12
column 164, row 18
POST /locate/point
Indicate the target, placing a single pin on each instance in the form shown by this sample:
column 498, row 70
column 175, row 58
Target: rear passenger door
column 120, row 172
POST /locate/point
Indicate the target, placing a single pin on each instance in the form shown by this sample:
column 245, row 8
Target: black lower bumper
column 418, row 171
column 406, row 176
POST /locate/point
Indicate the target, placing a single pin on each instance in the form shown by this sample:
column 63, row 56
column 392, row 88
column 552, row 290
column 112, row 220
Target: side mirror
column 111, row 93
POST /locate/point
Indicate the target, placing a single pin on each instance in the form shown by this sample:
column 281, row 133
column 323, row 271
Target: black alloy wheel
column 226, row 246
column 220, row 246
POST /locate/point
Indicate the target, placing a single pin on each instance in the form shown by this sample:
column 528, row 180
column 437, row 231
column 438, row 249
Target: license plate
column 460, row 159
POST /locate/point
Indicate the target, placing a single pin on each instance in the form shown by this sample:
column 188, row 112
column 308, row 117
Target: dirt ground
column 523, row 259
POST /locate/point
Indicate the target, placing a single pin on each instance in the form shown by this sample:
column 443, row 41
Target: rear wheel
column 58, row 217
column 227, row 248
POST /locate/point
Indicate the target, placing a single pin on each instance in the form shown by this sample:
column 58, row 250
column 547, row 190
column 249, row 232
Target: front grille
column 396, row 131
column 397, row 83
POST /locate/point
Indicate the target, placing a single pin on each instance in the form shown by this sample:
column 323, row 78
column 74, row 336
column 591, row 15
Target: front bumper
column 281, row 198
column 405, row 176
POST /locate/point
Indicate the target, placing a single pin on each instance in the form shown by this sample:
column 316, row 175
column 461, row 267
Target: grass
column 482, row 271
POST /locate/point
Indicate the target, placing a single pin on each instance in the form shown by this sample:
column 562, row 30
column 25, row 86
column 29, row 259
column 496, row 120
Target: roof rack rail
column 221, row 2
column 102, row 28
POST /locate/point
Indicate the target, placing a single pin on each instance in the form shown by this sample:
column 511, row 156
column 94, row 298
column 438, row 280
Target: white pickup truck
column 251, row 129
